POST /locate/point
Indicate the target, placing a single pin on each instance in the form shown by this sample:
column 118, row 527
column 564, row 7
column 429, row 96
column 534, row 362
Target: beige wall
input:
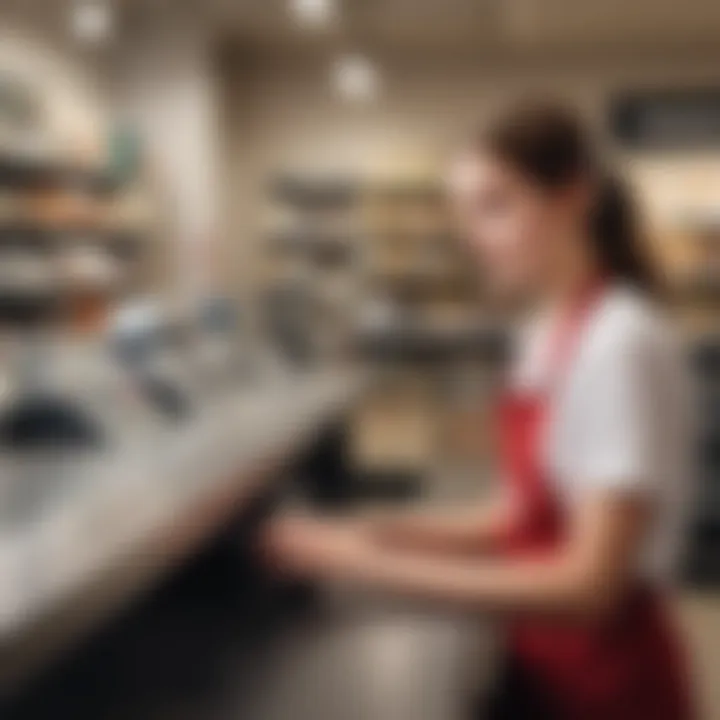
column 163, row 84
column 280, row 114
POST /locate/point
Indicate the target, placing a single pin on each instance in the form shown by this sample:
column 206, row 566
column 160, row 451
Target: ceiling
column 510, row 25
column 483, row 26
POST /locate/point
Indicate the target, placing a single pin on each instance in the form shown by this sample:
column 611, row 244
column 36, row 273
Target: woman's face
column 517, row 230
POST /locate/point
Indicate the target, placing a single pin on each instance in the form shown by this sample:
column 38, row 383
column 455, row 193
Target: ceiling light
column 355, row 78
column 92, row 20
column 313, row 13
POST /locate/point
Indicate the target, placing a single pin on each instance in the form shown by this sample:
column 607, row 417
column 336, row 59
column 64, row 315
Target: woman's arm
column 584, row 578
column 458, row 531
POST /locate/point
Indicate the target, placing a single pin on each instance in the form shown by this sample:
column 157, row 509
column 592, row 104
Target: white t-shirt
column 620, row 414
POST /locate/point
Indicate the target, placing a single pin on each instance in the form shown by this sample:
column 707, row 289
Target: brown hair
column 548, row 143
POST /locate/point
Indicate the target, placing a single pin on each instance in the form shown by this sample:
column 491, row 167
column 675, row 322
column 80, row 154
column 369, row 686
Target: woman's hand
column 310, row 547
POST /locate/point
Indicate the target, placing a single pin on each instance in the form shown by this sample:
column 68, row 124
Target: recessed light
column 354, row 77
column 92, row 21
column 313, row 13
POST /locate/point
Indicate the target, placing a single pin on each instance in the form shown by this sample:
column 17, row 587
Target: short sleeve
column 615, row 419
column 624, row 421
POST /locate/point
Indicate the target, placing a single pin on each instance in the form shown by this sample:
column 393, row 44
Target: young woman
column 594, row 447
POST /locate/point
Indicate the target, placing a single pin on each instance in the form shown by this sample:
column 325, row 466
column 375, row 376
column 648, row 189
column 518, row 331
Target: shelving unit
column 312, row 267
column 87, row 221
column 413, row 310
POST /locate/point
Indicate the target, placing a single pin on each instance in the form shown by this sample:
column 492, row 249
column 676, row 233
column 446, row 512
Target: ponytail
column 616, row 237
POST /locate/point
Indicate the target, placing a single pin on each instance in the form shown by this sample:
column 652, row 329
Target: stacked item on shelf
column 95, row 246
column 413, row 255
column 311, row 268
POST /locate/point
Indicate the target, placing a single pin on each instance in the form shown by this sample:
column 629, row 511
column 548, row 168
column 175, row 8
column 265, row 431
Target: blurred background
column 229, row 283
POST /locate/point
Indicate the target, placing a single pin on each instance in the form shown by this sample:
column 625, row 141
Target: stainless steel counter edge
column 134, row 561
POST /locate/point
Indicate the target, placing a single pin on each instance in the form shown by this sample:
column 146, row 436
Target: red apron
column 626, row 667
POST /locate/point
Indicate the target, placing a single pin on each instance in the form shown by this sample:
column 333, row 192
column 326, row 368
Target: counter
column 125, row 519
